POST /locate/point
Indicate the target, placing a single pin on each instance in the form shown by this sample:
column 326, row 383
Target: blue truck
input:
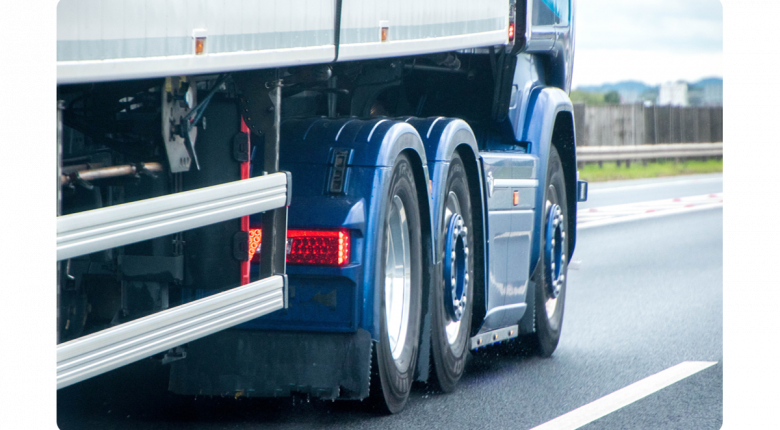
column 330, row 197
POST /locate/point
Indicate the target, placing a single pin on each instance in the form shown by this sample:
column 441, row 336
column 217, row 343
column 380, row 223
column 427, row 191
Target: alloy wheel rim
column 555, row 251
column 397, row 278
column 456, row 279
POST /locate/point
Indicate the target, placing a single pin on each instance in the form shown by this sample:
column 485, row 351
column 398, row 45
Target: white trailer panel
column 105, row 40
column 418, row 27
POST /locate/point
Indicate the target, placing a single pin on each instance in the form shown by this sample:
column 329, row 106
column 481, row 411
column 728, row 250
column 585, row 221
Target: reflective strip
column 109, row 349
column 100, row 229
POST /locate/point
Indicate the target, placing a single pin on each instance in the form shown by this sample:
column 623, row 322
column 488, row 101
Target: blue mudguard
column 544, row 105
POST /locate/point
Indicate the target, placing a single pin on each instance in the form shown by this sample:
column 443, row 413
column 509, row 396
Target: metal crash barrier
column 640, row 152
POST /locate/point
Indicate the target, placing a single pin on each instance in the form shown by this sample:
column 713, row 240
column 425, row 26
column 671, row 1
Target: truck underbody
column 402, row 209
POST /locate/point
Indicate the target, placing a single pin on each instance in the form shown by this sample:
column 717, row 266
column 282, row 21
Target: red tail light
column 511, row 31
column 318, row 247
column 310, row 247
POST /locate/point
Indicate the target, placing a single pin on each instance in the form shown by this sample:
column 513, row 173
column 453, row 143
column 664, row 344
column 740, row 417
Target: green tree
column 587, row 97
column 612, row 98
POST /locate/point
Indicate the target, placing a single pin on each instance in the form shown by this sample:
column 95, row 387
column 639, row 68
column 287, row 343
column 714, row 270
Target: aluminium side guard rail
column 100, row 229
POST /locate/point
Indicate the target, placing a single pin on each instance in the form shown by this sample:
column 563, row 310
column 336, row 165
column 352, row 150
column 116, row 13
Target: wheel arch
column 564, row 143
column 550, row 122
column 474, row 177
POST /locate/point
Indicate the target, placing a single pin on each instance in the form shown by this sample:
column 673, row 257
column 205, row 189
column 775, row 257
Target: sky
column 652, row 41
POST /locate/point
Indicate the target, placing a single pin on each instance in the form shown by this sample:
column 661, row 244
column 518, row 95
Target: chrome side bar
column 100, row 229
column 109, row 349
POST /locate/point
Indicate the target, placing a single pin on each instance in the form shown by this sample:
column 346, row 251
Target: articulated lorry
column 329, row 197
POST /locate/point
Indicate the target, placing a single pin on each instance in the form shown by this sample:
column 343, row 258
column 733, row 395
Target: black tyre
column 453, row 292
column 395, row 356
column 550, row 276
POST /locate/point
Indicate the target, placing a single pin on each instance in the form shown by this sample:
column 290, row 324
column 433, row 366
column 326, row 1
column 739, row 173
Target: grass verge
column 610, row 171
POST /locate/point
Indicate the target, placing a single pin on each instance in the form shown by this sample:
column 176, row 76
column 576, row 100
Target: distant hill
column 640, row 87
column 636, row 86
column 708, row 82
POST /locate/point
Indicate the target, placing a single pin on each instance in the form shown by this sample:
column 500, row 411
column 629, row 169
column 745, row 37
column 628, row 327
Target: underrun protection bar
column 119, row 225
column 109, row 349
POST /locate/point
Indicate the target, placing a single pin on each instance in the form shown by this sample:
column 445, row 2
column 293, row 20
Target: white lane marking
column 617, row 220
column 606, row 215
column 624, row 396
column 655, row 185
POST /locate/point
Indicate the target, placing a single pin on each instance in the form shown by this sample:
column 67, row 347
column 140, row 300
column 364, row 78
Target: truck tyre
column 400, row 291
column 550, row 276
column 453, row 293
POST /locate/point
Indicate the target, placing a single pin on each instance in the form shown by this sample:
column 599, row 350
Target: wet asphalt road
column 645, row 296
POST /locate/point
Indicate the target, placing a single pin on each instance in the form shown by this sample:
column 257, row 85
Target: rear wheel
column 395, row 356
column 452, row 296
column 550, row 278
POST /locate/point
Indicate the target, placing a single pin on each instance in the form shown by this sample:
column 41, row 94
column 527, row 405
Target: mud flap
column 275, row 364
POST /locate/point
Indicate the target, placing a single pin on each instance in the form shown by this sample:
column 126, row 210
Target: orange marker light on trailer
column 515, row 198
column 200, row 45
column 255, row 237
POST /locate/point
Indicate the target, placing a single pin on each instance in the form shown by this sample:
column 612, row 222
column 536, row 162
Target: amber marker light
column 255, row 237
column 200, row 45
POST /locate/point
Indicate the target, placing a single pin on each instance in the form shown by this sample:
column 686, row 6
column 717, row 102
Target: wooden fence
column 638, row 125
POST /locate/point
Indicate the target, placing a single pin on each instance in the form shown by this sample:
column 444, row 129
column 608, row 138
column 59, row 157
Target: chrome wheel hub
column 555, row 254
column 455, row 265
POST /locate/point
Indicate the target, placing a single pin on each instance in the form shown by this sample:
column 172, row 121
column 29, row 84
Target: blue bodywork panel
column 508, row 233
column 340, row 299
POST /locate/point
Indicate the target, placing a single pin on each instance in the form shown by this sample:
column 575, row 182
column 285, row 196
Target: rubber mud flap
column 273, row 364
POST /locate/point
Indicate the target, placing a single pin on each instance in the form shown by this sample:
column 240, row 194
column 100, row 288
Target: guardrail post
column 274, row 238
column 60, row 107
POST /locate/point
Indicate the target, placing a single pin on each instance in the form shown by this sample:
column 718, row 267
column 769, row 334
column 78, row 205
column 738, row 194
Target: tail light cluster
column 309, row 247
